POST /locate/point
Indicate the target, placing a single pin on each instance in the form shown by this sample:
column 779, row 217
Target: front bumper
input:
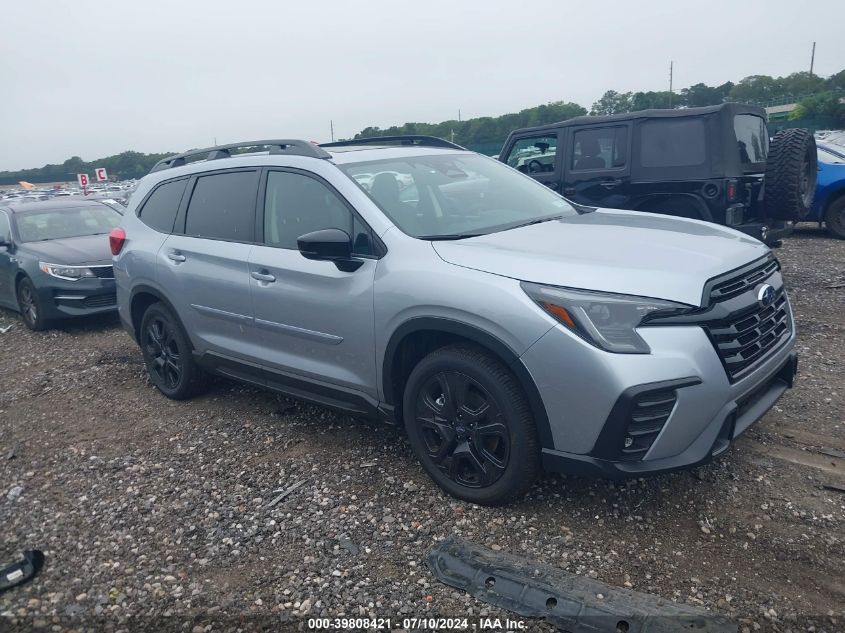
column 733, row 419
column 61, row 299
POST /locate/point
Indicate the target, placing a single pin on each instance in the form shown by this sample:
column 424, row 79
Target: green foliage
column 119, row 167
column 826, row 107
column 483, row 131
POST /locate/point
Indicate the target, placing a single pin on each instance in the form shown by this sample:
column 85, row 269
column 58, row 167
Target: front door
column 538, row 156
column 204, row 264
column 598, row 170
column 314, row 322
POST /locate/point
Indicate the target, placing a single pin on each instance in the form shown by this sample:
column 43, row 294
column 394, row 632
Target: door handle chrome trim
column 176, row 257
column 263, row 277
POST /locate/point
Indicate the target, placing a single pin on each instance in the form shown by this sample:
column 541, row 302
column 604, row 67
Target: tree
column 826, row 109
column 612, row 102
column 703, row 95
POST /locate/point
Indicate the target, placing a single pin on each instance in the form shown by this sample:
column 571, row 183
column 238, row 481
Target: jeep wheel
column 834, row 218
column 790, row 181
column 470, row 425
column 167, row 354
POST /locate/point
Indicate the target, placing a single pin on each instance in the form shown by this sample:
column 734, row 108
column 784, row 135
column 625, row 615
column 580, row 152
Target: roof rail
column 420, row 140
column 278, row 146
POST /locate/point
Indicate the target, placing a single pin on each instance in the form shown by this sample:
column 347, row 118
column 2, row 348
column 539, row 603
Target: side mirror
column 329, row 245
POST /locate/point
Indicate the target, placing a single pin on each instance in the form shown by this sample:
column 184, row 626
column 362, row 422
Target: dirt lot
column 151, row 508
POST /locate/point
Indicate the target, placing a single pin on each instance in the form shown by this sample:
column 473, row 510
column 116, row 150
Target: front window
column 752, row 138
column 57, row 224
column 450, row 196
column 533, row 155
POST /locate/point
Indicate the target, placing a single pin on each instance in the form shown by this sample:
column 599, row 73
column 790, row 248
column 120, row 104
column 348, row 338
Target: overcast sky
column 97, row 78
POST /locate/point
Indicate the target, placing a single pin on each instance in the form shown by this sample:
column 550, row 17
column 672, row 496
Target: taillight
column 117, row 238
column 731, row 190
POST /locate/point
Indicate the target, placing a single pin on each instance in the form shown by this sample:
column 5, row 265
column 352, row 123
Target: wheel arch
column 687, row 199
column 141, row 298
column 417, row 337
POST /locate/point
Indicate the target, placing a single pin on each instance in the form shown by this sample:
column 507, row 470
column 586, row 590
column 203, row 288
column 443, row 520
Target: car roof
column 733, row 108
column 51, row 205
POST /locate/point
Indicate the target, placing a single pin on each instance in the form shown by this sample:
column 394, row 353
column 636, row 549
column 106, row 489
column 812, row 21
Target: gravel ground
column 156, row 515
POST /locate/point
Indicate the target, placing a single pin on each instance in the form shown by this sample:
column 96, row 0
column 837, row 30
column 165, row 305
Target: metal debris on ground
column 3, row 330
column 285, row 493
column 571, row 602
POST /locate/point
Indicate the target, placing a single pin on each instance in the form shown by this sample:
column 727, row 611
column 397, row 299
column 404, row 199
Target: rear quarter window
column 159, row 211
column 675, row 142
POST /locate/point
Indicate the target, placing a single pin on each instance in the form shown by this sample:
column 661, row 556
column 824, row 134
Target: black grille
column 749, row 335
column 100, row 301
column 748, row 279
column 103, row 272
column 648, row 416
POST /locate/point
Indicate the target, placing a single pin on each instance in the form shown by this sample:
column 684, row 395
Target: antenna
column 671, row 65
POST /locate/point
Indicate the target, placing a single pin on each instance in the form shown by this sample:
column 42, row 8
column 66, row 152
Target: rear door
column 8, row 267
column 537, row 155
column 204, row 265
column 598, row 169
column 313, row 321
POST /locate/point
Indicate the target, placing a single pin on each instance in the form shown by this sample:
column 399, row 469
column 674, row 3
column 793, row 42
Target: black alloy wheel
column 163, row 351
column 30, row 306
column 470, row 425
column 463, row 429
column 168, row 355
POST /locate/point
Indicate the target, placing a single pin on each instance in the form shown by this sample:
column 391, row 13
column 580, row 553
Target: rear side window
column 159, row 211
column 672, row 143
column 752, row 138
column 222, row 207
column 600, row 148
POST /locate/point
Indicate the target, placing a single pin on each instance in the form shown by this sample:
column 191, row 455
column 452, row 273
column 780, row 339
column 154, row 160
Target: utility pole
column 671, row 64
column 812, row 59
column 459, row 115
column 331, row 126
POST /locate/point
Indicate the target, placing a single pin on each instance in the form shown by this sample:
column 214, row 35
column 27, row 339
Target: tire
column 791, row 171
column 167, row 354
column 484, row 456
column 30, row 306
column 834, row 218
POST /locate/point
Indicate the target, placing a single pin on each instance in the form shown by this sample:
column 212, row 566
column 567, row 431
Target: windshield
column 829, row 157
column 449, row 196
column 56, row 224
column 752, row 138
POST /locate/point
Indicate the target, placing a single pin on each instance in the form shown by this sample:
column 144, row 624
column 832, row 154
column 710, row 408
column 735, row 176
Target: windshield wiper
column 530, row 222
column 449, row 236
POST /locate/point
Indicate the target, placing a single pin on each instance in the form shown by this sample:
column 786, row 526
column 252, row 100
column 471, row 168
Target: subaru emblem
column 765, row 295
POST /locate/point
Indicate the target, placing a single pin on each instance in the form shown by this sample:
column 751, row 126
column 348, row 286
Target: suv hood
column 88, row 249
column 609, row 250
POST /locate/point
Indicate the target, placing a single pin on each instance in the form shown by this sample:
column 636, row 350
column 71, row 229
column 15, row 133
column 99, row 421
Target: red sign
column 82, row 179
column 101, row 174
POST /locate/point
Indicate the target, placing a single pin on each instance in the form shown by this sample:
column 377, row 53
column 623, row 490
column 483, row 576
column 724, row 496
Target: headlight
column 605, row 320
column 70, row 273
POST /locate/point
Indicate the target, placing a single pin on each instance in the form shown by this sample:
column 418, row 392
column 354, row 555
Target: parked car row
column 508, row 328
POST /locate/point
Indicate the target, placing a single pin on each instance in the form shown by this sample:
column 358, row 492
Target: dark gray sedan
column 55, row 260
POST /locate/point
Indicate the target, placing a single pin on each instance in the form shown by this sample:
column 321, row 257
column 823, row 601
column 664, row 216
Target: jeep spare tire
column 790, row 181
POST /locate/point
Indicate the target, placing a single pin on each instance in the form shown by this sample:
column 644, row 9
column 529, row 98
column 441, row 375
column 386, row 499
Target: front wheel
column 470, row 425
column 167, row 354
column 834, row 218
column 30, row 307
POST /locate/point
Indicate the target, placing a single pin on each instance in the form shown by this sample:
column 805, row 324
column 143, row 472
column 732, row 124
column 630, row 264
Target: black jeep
column 715, row 164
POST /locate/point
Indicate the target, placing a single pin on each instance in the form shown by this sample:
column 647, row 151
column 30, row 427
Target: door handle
column 610, row 183
column 176, row 256
column 265, row 277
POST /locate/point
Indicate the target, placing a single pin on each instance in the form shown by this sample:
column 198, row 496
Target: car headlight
column 606, row 320
column 69, row 273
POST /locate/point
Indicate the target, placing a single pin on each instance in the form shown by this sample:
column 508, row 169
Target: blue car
column 829, row 202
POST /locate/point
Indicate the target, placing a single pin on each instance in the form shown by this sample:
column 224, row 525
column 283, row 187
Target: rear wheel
column 167, row 354
column 30, row 307
column 790, row 181
column 834, row 218
column 470, row 425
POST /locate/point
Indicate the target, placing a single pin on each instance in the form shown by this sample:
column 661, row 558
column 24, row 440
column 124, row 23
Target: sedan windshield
column 56, row 224
column 452, row 196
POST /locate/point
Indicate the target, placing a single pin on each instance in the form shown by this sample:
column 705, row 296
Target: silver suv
column 508, row 329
